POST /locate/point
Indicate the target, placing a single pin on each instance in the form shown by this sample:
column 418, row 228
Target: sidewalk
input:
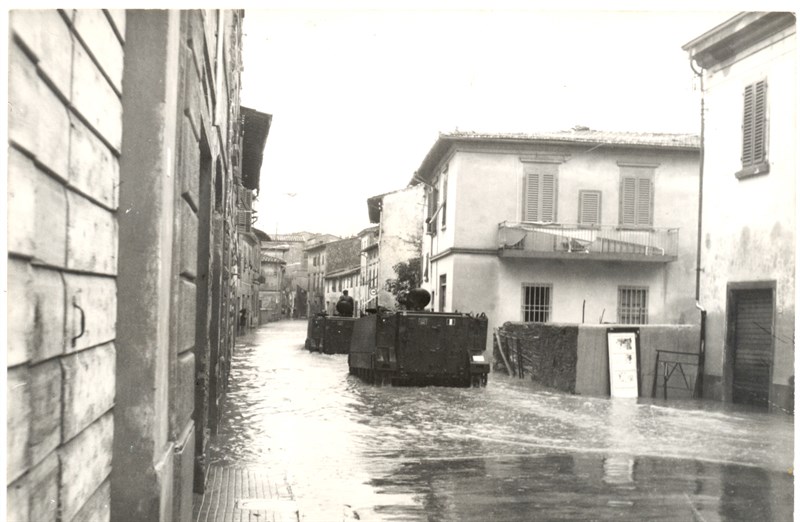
column 236, row 493
column 254, row 493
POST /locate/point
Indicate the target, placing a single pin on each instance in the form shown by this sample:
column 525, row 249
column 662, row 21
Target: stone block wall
column 65, row 131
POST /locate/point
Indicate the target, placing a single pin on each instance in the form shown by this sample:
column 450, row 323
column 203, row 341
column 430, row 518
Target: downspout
column 701, row 359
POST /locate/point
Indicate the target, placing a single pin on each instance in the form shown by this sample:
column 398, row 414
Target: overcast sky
column 358, row 97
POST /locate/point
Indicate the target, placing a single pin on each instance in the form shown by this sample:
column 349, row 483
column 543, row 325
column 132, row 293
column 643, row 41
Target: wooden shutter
column 548, row 211
column 589, row 207
column 628, row 201
column 433, row 203
column 636, row 197
column 541, row 190
column 644, row 198
column 754, row 124
column 243, row 221
column 532, row 197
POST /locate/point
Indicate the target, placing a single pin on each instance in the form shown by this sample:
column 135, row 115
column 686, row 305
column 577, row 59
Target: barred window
column 536, row 303
column 632, row 305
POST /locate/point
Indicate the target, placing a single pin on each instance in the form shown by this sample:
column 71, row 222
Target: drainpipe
column 701, row 359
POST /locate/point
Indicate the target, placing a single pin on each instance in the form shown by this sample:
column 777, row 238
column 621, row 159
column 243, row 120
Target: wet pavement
column 330, row 447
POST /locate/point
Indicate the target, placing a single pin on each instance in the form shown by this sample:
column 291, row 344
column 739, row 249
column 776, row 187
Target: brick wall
column 65, row 126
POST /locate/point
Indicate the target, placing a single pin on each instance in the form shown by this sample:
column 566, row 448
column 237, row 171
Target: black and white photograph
column 400, row 261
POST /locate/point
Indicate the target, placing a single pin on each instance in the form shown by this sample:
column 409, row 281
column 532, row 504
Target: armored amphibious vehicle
column 416, row 347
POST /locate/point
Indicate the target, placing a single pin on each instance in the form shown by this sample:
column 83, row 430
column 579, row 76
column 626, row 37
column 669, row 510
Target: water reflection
column 506, row 452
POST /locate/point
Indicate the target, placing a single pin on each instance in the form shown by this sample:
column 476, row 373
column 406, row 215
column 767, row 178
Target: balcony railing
column 588, row 242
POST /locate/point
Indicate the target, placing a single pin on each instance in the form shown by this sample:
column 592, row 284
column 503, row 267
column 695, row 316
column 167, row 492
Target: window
column 636, row 196
column 589, row 207
column 541, row 187
column 433, row 203
column 754, row 130
column 442, row 292
column 536, row 303
column 632, row 305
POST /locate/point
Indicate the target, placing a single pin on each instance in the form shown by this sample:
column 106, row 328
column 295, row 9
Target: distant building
column 367, row 288
column 255, row 130
column 580, row 226
column 748, row 238
column 342, row 271
column 399, row 216
column 314, row 258
column 271, row 299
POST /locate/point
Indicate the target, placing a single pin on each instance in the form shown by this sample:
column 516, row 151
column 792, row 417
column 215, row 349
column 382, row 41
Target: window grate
column 632, row 305
column 536, row 303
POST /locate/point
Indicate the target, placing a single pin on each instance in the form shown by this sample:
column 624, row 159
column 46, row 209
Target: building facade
column 249, row 152
column 291, row 248
column 314, row 258
column 271, row 298
column 578, row 227
column 747, row 279
column 367, row 288
column 343, row 268
column 119, row 257
column 399, row 216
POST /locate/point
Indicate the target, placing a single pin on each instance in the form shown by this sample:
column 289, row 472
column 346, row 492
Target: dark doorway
column 751, row 340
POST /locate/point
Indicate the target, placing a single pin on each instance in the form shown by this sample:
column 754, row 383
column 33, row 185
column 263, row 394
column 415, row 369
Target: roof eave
column 255, row 130
column 735, row 35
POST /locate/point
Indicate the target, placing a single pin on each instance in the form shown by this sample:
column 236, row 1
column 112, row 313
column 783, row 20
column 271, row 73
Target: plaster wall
column 400, row 236
column 490, row 189
column 749, row 224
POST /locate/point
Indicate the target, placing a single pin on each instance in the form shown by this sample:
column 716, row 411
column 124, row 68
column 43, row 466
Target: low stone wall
column 574, row 358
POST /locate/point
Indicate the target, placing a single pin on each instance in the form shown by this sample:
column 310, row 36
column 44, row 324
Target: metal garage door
column 752, row 346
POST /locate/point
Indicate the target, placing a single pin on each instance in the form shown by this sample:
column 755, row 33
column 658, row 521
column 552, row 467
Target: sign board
column 623, row 361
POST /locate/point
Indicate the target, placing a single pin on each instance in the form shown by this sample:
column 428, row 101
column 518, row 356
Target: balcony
column 608, row 243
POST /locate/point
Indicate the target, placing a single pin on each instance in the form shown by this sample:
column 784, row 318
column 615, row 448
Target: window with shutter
column 541, row 187
column 443, row 212
column 589, row 207
column 636, row 197
column 754, row 130
column 243, row 220
column 433, row 203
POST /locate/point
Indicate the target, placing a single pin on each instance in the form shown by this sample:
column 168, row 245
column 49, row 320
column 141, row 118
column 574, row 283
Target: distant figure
column 344, row 306
column 242, row 319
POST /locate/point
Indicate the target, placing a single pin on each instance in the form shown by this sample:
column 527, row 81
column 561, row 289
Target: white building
column 747, row 285
column 580, row 226
column 399, row 216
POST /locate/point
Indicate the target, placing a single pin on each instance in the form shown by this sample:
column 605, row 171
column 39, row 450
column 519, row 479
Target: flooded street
column 505, row 452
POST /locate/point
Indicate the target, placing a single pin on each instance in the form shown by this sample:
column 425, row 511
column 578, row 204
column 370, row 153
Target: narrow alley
column 303, row 440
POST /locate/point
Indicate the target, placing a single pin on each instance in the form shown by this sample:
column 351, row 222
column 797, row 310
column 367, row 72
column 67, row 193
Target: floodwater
column 509, row 452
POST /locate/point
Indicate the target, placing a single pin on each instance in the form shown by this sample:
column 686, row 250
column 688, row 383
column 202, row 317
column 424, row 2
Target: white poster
column 622, row 363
